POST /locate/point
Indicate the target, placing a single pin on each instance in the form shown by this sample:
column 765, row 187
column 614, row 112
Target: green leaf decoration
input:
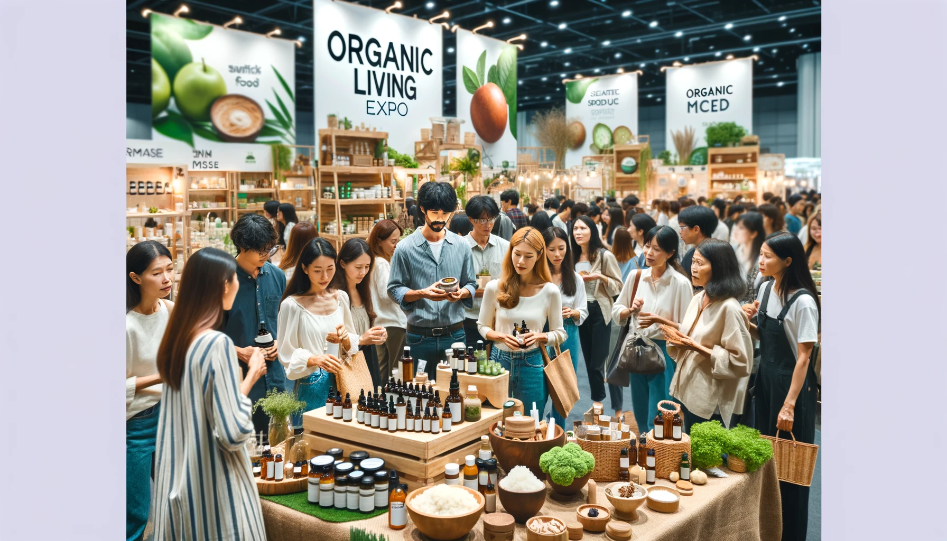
column 282, row 106
column 283, row 82
column 471, row 83
column 511, row 104
column 270, row 131
column 184, row 28
column 176, row 127
column 285, row 124
column 206, row 133
column 506, row 74
column 492, row 76
column 575, row 90
column 481, row 66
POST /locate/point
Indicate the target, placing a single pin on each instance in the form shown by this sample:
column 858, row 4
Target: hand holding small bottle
column 329, row 363
column 257, row 364
column 533, row 337
column 509, row 340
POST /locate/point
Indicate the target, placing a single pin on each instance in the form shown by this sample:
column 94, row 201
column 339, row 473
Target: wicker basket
column 668, row 454
column 361, row 160
column 736, row 464
column 795, row 460
column 607, row 455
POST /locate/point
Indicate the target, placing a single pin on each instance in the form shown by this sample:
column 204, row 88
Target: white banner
column 204, row 157
column 607, row 111
column 700, row 95
column 486, row 95
column 166, row 152
column 380, row 69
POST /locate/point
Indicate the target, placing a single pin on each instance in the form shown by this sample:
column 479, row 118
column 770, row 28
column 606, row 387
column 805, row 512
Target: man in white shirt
column 721, row 232
column 565, row 213
column 551, row 206
column 488, row 252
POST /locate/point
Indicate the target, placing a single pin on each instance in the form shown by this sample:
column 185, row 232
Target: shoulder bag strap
column 785, row 310
column 765, row 302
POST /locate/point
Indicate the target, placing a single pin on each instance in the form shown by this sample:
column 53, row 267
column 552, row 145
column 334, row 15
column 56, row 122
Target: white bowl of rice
column 445, row 512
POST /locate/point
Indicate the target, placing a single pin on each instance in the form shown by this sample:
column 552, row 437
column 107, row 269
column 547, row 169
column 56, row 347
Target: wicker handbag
column 354, row 375
column 795, row 460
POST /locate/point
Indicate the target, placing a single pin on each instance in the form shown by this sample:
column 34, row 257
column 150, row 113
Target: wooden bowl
column 593, row 524
column 533, row 536
column 572, row 489
column 663, row 507
column 511, row 453
column 625, row 508
column 522, row 505
column 445, row 528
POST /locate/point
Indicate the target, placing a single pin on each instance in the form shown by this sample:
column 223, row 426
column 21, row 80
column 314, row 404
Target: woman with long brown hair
column 624, row 251
column 382, row 240
column 524, row 293
column 814, row 242
column 299, row 237
column 205, row 414
column 773, row 219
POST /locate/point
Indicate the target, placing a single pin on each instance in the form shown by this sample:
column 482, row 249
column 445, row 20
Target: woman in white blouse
column 602, row 279
column 148, row 280
column 204, row 487
column 355, row 264
column 662, row 297
column 382, row 240
column 314, row 321
column 524, row 293
column 572, row 291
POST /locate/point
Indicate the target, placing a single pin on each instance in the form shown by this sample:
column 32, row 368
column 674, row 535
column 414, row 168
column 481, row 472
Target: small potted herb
column 748, row 448
column 483, row 277
column 279, row 406
column 333, row 121
column 708, row 441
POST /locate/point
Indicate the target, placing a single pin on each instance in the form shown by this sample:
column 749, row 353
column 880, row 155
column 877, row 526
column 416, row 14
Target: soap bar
column 593, row 492
column 638, row 475
column 575, row 530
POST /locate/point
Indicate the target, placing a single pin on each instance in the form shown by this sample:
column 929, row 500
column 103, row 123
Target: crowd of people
column 732, row 277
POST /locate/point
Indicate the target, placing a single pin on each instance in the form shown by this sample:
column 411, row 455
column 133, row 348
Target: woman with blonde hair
column 526, row 294
column 299, row 237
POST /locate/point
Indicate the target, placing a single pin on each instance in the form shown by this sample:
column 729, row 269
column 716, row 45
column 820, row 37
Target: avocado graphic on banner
column 605, row 108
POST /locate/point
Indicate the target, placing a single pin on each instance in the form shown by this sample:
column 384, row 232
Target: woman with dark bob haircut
column 715, row 355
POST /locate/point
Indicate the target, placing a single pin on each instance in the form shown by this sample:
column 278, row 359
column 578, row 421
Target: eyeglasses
column 484, row 221
column 682, row 227
column 269, row 254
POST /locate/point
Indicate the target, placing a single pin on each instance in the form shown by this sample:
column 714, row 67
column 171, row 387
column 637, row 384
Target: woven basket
column 668, row 454
column 736, row 464
column 795, row 460
column 607, row 455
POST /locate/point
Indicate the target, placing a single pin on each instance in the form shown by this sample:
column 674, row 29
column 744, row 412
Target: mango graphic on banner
column 494, row 97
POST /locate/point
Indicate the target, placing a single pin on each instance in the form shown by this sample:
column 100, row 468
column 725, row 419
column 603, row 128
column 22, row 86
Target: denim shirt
column 413, row 267
column 256, row 301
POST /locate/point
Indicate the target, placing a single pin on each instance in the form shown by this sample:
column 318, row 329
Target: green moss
column 746, row 443
column 708, row 441
column 299, row 501
column 565, row 464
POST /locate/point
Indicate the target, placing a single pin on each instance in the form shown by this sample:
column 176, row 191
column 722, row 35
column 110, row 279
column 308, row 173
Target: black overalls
column 777, row 363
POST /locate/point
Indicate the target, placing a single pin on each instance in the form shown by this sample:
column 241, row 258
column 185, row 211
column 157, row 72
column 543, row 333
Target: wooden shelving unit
column 212, row 194
column 741, row 167
column 625, row 183
column 338, row 143
column 174, row 193
column 262, row 186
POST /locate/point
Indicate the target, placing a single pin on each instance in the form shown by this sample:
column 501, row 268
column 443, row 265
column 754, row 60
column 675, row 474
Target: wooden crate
column 494, row 389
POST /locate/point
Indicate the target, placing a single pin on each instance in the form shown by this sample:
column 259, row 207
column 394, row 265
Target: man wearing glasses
column 488, row 251
column 696, row 223
column 420, row 262
column 257, row 301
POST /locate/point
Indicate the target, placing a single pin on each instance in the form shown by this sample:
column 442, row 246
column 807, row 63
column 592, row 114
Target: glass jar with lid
column 472, row 404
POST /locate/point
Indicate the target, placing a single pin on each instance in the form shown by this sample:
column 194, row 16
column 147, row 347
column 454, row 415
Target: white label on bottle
column 269, row 469
column 471, row 483
column 360, row 416
column 366, row 502
column 650, row 476
column 623, row 461
column 399, row 514
column 326, row 495
column 351, row 500
column 676, row 431
column 337, row 411
column 659, row 432
column 340, row 498
column 685, row 473
column 650, row 461
column 472, row 367
column 447, row 423
column 440, row 412
column 297, row 470
column 484, row 455
column 409, row 424
column 256, row 470
column 425, row 425
column 383, row 422
column 346, row 414
column 493, row 478
column 375, row 420
column 313, row 490
column 401, row 416
column 392, row 425
column 491, row 503
column 483, row 478
column 278, row 470
column 448, row 481
column 435, row 426
column 455, row 413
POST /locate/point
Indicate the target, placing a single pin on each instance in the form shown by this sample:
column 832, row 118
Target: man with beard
column 420, row 262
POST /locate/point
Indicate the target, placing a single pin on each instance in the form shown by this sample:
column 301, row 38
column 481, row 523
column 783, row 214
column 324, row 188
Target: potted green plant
column 720, row 134
column 708, row 441
column 279, row 406
column 568, row 467
column 665, row 157
column 483, row 277
column 748, row 448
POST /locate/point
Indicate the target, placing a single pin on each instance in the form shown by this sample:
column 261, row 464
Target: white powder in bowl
column 445, row 500
column 520, row 479
column 662, row 496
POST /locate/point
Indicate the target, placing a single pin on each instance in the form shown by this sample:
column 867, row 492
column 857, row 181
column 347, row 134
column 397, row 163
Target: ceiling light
column 544, row 79
column 554, row 3
column 774, row 51
column 302, row 39
column 782, row 18
column 779, row 83
column 597, row 70
column 747, row 37
column 775, row 76
column 578, row 75
column 444, row 15
column 606, row 43
column 621, row 70
column 274, row 32
column 756, row 49
column 481, row 27
column 446, row 101
column 718, row 54
column 236, row 20
column 544, row 44
column 729, row 57
column 650, row 95
column 146, row 12
column 517, row 38
column 642, row 64
column 547, row 97
column 659, row 99
column 653, row 24
column 567, row 64
column 568, row 50
column 182, row 9
column 562, row 75
column 678, row 34
column 728, row 26
column 626, row 13
column 805, row 45
column 396, row 5
column 791, row 30
column 507, row 20
column 430, row 5
column 686, row 58
column 298, row 43
column 562, row 26
column 617, row 55
column 450, row 49
column 520, row 82
column 677, row 64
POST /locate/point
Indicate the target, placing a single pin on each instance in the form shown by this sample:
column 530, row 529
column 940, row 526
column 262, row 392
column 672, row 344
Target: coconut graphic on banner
column 190, row 96
column 493, row 106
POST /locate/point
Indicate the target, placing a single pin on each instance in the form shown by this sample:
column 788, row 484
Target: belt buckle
column 437, row 331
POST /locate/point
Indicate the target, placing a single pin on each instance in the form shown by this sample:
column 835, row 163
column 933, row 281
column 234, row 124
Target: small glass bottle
column 347, row 409
column 685, row 468
column 409, row 418
column 366, row 494
column 485, row 452
column 438, row 406
column 483, row 477
column 337, row 406
column 407, row 365
column 352, row 495
column 376, row 414
column 472, row 405
column 643, row 449
column 490, row 492
column 446, row 419
column 265, row 465
column 401, row 410
column 435, row 421
column 426, row 420
column 392, row 418
column 470, row 472
column 677, row 428
column 315, row 476
column 326, row 487
column 381, row 489
column 492, row 470
column 397, row 512
column 451, row 474
column 623, row 474
column 649, row 468
column 330, row 403
column 471, row 362
column 455, row 400
column 659, row 426
column 383, row 415
column 340, row 501
column 360, row 413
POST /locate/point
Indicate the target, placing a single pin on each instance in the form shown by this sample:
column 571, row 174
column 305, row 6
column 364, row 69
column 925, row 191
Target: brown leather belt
column 435, row 331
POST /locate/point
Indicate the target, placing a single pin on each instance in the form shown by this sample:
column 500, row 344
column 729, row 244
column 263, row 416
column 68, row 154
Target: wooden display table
column 418, row 457
column 494, row 389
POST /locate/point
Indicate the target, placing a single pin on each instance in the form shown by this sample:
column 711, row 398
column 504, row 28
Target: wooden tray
column 492, row 389
column 286, row 486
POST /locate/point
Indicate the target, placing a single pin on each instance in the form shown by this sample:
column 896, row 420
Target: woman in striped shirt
column 204, row 487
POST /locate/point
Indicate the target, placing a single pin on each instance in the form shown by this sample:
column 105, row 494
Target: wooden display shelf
column 257, row 190
column 725, row 165
column 363, row 134
column 309, row 189
column 747, row 170
column 209, row 190
column 495, row 389
column 286, row 486
column 356, row 202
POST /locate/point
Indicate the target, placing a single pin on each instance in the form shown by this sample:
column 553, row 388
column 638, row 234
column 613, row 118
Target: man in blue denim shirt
column 431, row 253
column 261, row 286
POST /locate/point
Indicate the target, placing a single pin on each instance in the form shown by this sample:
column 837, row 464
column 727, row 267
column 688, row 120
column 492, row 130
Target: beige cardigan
column 607, row 265
column 705, row 384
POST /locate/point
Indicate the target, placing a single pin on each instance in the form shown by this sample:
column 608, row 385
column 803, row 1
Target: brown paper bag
column 563, row 384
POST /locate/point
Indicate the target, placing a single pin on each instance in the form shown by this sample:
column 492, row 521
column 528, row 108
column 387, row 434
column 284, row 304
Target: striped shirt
column 413, row 267
column 204, row 487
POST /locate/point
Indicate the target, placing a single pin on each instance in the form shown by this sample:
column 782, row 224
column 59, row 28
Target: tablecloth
column 741, row 507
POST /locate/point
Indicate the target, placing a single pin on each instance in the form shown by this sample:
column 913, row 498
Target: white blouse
column 578, row 302
column 302, row 334
column 667, row 297
column 535, row 311
column 387, row 311
column 143, row 335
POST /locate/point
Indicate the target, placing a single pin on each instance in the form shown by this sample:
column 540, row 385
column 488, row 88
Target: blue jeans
column 527, row 380
column 140, row 433
column 574, row 348
column 431, row 350
column 313, row 390
column 646, row 391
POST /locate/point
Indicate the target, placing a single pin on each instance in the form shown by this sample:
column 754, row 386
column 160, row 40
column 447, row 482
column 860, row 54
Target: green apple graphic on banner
column 209, row 84
column 605, row 107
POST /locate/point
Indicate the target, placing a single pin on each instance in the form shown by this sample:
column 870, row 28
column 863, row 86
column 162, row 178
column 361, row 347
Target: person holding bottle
column 572, row 291
column 488, row 252
column 312, row 316
column 662, row 297
column 602, row 279
column 148, row 282
column 787, row 314
column 355, row 263
column 382, row 240
column 524, row 293
column 716, row 358
column 205, row 419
